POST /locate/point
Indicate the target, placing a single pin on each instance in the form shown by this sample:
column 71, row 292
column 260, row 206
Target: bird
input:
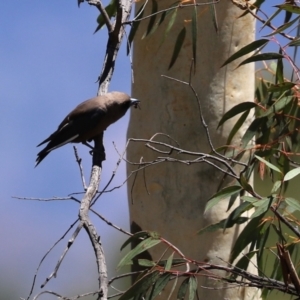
column 87, row 120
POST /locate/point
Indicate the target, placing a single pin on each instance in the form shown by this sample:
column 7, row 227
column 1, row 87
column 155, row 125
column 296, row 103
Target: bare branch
column 78, row 160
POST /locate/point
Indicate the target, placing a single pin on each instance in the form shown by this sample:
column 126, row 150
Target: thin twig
column 78, row 160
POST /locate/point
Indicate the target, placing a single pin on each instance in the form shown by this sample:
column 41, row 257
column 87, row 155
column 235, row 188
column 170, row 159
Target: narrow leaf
column 152, row 19
column 224, row 193
column 194, row 34
column 249, row 199
column 141, row 286
column 137, row 236
column 271, row 166
column 245, row 50
column 171, row 22
column 237, row 126
column 159, row 285
column 237, row 109
column 278, row 105
column 221, row 225
column 236, row 213
column 214, row 16
column 192, row 288
column 283, row 27
column 295, row 42
column 293, row 203
column 261, row 57
column 279, row 70
column 111, row 10
column 291, row 174
column 290, row 8
column 178, row 46
column 245, row 237
column 276, row 186
column 264, row 205
column 244, row 183
column 173, row 288
column 281, row 87
column 146, row 263
column 183, row 289
column 169, row 262
column 134, row 27
column 141, row 247
column 251, row 131
column 268, row 21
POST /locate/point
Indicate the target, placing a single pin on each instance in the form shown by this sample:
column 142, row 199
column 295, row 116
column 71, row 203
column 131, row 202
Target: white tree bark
column 177, row 196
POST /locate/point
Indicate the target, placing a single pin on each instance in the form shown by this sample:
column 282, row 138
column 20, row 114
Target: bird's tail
column 41, row 155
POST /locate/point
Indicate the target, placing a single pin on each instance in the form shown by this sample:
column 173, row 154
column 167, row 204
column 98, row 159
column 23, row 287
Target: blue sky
column 50, row 60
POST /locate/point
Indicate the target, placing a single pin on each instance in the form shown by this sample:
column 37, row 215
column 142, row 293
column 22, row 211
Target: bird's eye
column 136, row 105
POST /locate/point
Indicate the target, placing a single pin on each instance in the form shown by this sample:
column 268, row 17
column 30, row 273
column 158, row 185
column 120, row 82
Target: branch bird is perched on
column 87, row 120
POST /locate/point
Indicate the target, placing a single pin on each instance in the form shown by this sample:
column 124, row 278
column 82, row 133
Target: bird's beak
column 134, row 102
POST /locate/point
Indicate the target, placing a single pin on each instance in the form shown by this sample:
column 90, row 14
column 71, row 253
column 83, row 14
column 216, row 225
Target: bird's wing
column 74, row 126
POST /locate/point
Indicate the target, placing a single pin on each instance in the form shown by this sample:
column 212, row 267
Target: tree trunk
column 170, row 197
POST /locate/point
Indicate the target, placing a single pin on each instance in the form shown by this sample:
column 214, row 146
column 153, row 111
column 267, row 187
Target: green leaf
column 236, row 213
column 281, row 87
column 171, row 22
column 141, row 247
column 283, row 27
column 192, row 287
column 244, row 183
column 152, row 19
column 295, row 42
column 169, row 262
column 146, row 263
column 134, row 27
column 231, row 201
column 224, row 193
column 271, row 166
column 279, row 70
column 268, row 21
column 291, row 174
column 159, row 285
column 261, row 57
column 178, row 46
column 141, row 285
column 276, row 186
column 111, row 10
column 262, row 207
column 173, row 287
column 245, row 50
column 245, row 237
column 249, row 199
column 278, row 105
column 244, row 106
column 214, row 16
column 251, row 131
column 221, row 225
column 263, row 237
column 293, row 203
column 136, row 237
column 183, row 289
column 290, row 8
column 237, row 126
column 194, row 34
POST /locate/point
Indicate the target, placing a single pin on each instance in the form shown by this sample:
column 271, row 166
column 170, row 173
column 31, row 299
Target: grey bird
column 87, row 120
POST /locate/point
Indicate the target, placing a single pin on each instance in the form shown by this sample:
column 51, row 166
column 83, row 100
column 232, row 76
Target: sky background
column 49, row 62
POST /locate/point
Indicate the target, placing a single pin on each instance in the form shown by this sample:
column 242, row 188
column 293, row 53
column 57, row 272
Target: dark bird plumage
column 87, row 120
